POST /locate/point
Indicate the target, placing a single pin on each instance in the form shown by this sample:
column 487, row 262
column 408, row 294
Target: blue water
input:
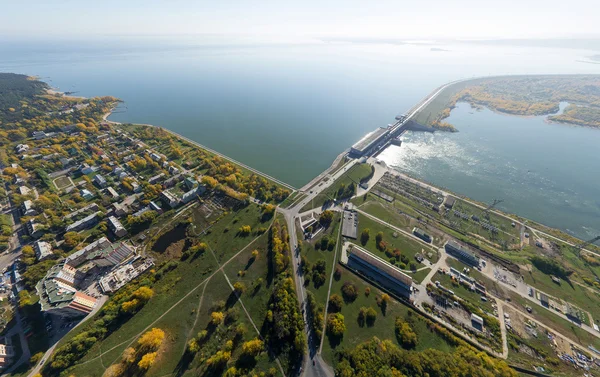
column 288, row 110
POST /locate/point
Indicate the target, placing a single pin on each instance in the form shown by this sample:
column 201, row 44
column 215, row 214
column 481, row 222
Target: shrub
column 335, row 303
column 349, row 291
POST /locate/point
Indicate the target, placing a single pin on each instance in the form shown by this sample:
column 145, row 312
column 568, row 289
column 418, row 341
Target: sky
column 307, row 19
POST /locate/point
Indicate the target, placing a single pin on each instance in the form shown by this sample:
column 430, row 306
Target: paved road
column 49, row 352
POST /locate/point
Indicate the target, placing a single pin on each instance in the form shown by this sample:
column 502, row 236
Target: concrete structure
column 369, row 142
column 101, row 253
column 477, row 322
column 86, row 222
column 120, row 209
column 116, row 227
column 461, row 254
column 422, row 235
column 58, row 294
column 39, row 135
column 449, row 202
column 189, row 196
column 43, row 250
column 169, row 199
column 153, row 206
column 121, row 276
column 350, row 224
column 375, row 268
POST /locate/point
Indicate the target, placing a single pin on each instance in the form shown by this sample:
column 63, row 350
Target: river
column 288, row 110
column 544, row 171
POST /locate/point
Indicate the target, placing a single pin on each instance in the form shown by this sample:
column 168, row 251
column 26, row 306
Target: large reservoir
column 289, row 109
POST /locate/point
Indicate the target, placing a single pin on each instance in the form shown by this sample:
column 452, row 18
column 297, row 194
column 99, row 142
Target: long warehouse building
column 380, row 271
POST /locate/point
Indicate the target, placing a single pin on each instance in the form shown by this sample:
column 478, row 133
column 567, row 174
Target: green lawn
column 573, row 293
column 355, row 174
column 406, row 245
column 313, row 255
column 384, row 324
column 182, row 280
column 420, row 275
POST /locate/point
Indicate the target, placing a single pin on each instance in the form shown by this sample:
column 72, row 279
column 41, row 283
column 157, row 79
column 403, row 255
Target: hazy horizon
column 278, row 21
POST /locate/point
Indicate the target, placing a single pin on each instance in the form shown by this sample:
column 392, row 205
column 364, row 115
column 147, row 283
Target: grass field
column 394, row 239
column 586, row 299
column 384, row 324
column 313, row 255
column 355, row 174
column 177, row 295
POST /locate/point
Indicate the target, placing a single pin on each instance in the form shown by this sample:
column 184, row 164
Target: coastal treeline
column 218, row 173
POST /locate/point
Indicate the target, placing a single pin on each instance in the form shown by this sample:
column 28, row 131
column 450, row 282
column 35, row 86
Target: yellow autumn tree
column 217, row 318
column 147, row 360
column 152, row 339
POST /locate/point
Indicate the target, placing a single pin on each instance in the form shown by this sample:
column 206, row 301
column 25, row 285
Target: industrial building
column 422, row 235
column 459, row 253
column 350, row 224
column 369, row 142
column 380, row 271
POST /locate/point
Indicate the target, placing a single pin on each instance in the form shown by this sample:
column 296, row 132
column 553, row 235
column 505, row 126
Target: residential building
column 121, row 276
column 24, row 190
column 43, row 250
column 86, row 222
column 39, row 135
column 27, row 208
column 33, row 229
column 112, row 192
column 86, row 194
column 101, row 253
column 190, row 183
column 22, row 148
column 156, row 178
column 59, row 296
column 116, row 227
column 169, row 199
column 100, row 180
column 6, row 353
